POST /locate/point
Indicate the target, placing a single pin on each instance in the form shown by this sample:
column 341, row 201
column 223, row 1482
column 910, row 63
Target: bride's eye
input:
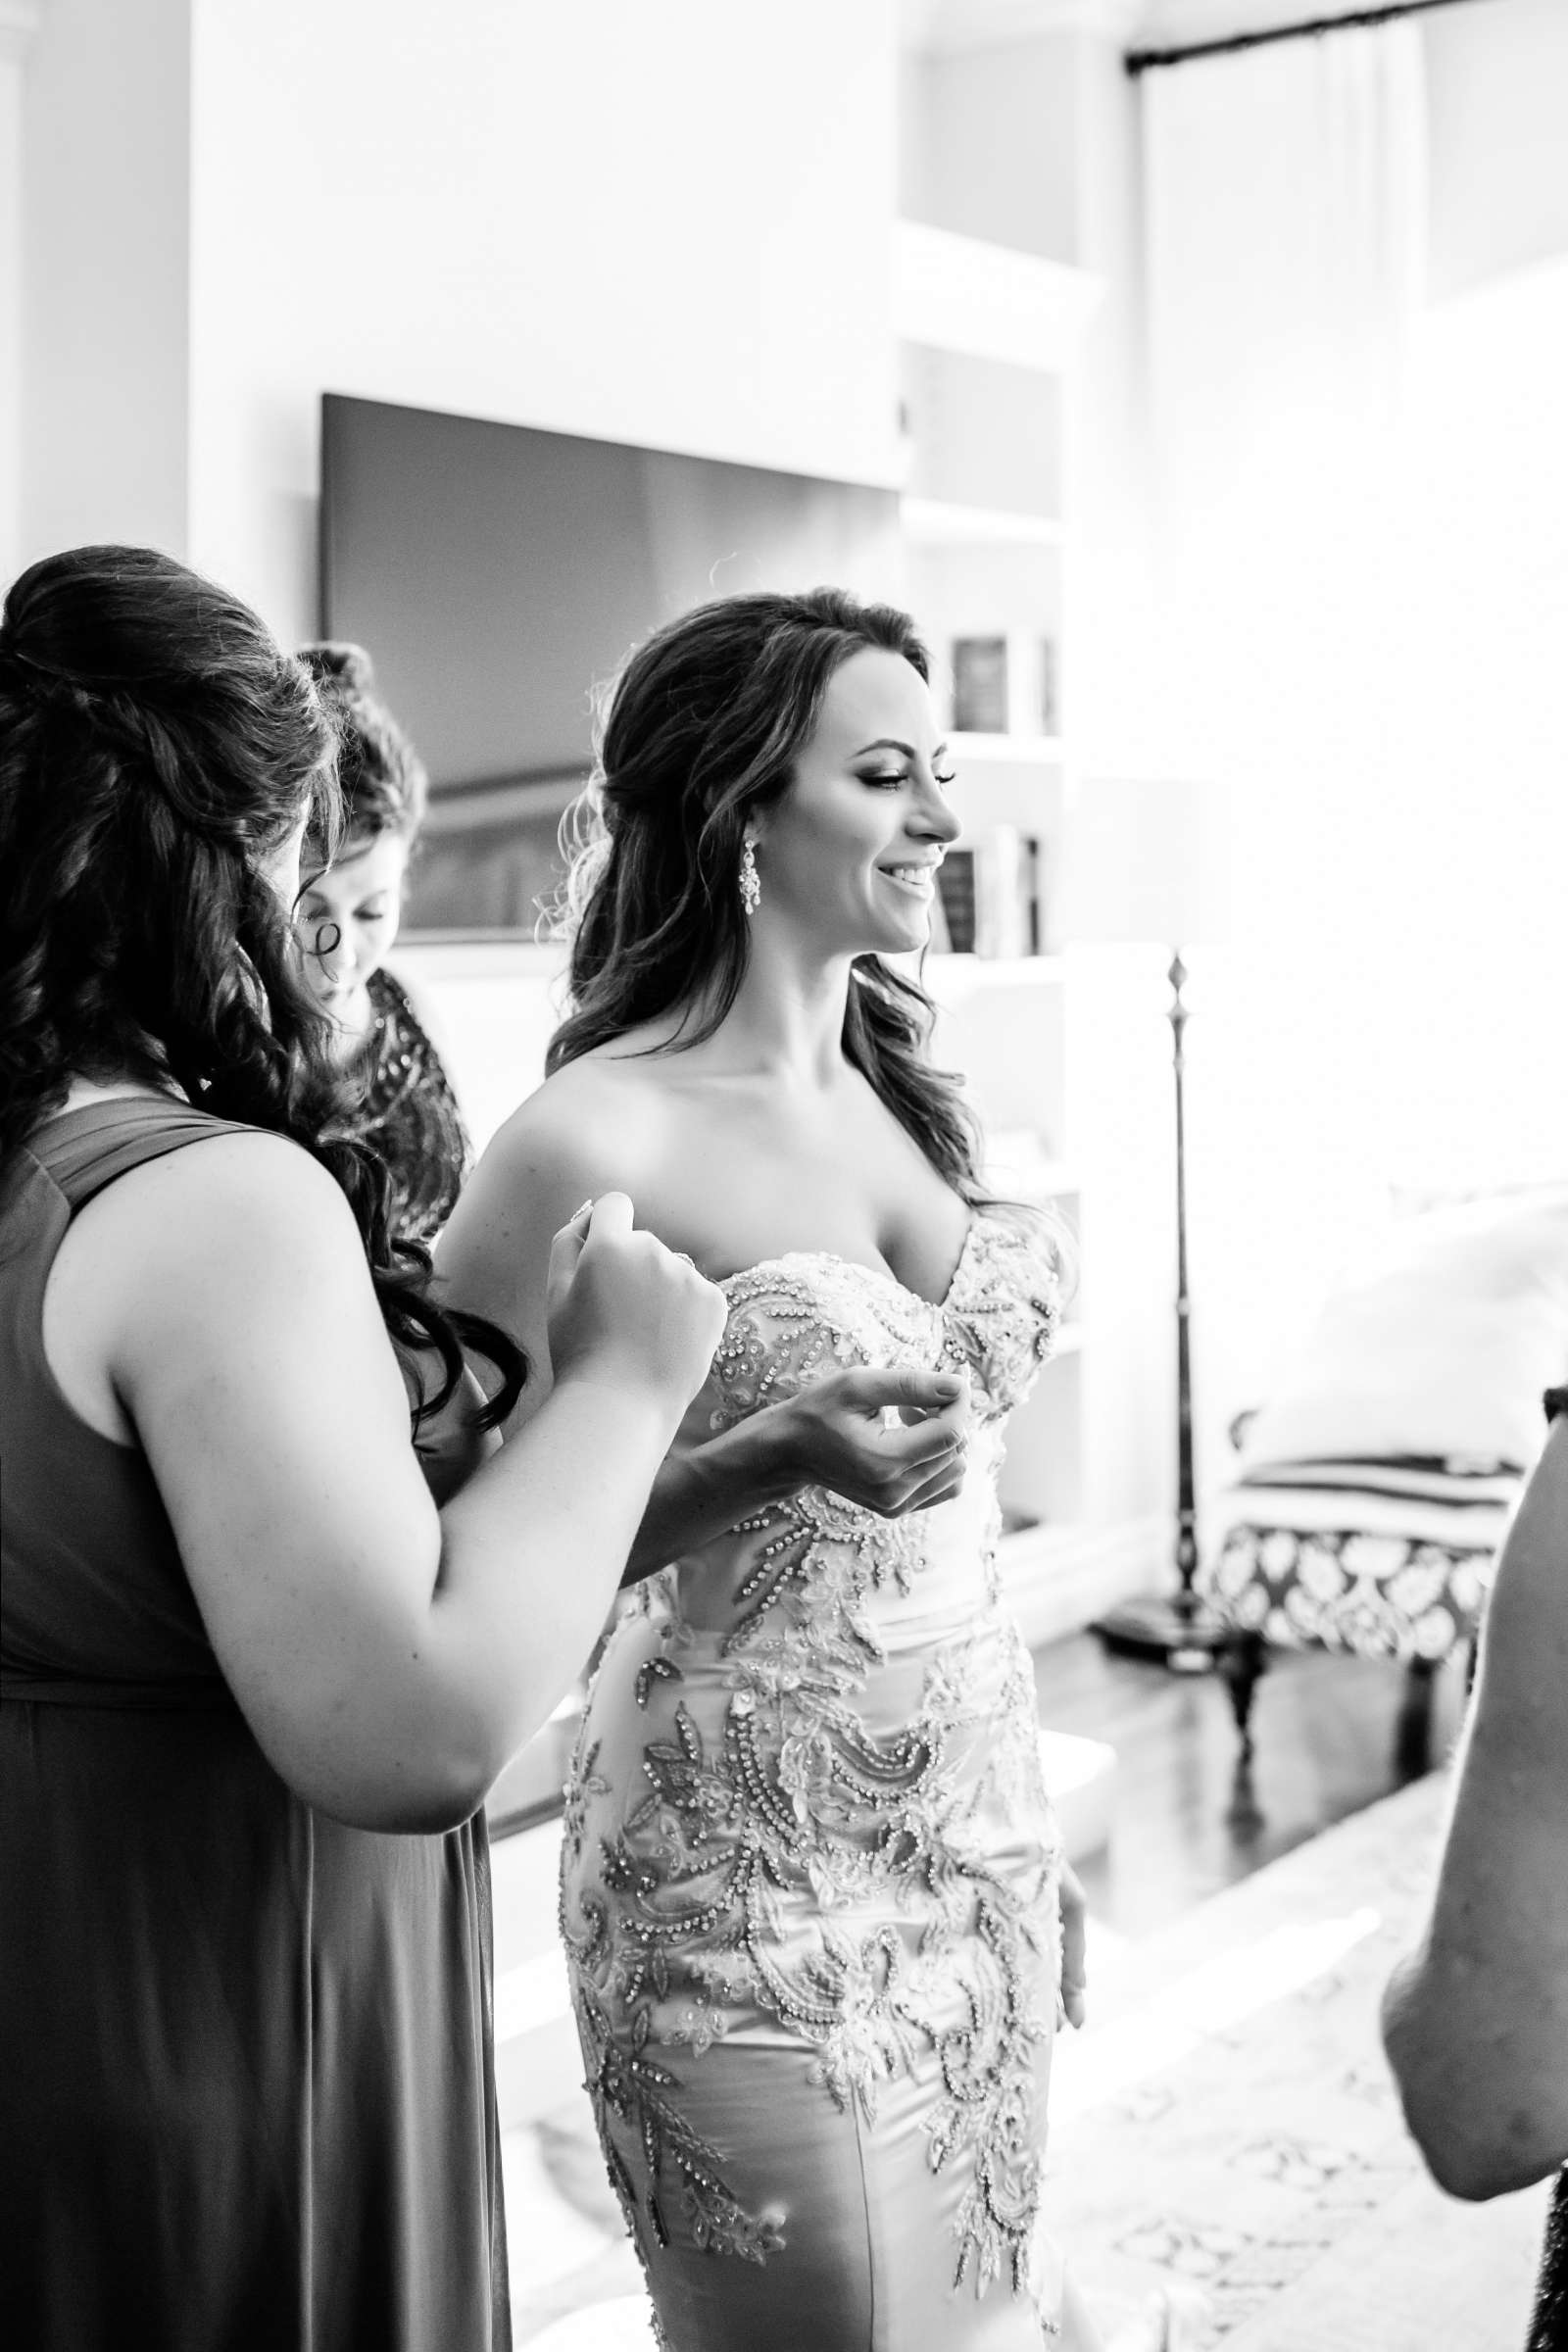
column 887, row 782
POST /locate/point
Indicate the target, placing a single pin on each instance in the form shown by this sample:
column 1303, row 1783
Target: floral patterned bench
column 1378, row 1559
column 1372, row 1488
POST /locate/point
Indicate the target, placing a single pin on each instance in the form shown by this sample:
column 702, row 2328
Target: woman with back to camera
column 812, row 1890
column 351, row 903
column 1475, row 2020
column 254, row 1687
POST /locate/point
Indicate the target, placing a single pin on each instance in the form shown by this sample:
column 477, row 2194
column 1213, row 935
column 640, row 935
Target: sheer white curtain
column 1285, row 230
column 1342, row 542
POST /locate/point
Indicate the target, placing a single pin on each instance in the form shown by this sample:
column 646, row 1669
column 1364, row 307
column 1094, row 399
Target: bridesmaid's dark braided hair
column 155, row 743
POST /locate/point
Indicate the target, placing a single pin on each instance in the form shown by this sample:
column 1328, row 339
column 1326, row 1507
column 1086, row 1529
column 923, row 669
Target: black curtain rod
column 1145, row 61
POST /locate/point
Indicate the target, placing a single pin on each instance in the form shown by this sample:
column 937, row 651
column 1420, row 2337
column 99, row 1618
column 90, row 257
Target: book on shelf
column 980, row 685
column 940, row 939
column 990, row 897
column 1000, row 893
column 1008, row 917
column 1048, row 716
column 953, row 915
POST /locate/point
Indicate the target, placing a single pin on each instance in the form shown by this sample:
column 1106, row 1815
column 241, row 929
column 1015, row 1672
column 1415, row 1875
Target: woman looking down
column 403, row 1103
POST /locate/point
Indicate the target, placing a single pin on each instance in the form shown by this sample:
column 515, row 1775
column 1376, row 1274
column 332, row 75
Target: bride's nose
column 933, row 818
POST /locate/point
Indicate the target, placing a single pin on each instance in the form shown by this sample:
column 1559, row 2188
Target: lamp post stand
column 1176, row 1630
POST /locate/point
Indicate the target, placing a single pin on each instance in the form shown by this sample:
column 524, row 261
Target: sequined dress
column 809, row 1874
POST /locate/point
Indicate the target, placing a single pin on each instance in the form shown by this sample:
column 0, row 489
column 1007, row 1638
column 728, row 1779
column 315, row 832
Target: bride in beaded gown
column 813, row 1899
column 808, row 1880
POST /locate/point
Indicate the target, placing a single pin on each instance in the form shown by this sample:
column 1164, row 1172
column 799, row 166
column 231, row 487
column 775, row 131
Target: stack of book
column 991, row 896
column 1003, row 686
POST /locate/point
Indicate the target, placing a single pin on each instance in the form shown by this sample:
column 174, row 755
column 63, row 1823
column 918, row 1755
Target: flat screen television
column 497, row 574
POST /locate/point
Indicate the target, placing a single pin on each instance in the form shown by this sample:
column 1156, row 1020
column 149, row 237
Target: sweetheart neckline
column 832, row 1257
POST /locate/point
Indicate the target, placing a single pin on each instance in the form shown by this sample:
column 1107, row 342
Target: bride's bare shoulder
column 602, row 1120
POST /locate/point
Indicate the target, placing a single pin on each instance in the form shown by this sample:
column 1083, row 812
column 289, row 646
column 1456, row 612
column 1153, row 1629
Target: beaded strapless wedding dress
column 809, row 1871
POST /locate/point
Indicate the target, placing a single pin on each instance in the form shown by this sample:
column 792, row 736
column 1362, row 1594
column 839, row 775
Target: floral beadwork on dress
column 807, row 1791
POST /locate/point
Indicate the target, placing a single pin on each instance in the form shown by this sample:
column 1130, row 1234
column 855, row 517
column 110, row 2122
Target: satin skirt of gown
column 809, row 1874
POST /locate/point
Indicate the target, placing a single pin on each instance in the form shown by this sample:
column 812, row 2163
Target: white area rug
column 1225, row 2121
column 1230, row 2120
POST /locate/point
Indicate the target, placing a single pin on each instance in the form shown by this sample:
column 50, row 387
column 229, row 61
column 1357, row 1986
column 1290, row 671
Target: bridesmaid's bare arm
column 388, row 1657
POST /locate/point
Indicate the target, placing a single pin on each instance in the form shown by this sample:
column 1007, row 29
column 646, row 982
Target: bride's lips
column 916, row 875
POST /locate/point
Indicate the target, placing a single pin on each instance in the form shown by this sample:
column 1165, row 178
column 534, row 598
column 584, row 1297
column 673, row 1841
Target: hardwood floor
column 1184, row 1826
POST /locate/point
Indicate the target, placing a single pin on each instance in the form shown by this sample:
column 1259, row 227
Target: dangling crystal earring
column 751, row 881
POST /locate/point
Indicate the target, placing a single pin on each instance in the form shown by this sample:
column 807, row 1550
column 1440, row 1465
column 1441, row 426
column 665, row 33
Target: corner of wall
column 104, row 275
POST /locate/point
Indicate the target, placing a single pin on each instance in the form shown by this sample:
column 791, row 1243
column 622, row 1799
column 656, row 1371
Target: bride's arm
column 493, row 1258
column 833, row 1434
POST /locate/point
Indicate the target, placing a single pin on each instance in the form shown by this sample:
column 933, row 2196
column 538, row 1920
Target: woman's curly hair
column 156, row 744
column 381, row 779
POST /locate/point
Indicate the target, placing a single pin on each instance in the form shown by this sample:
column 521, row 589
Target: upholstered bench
column 1380, row 1559
column 1372, row 1490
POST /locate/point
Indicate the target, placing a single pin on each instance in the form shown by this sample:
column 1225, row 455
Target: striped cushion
column 1388, row 1560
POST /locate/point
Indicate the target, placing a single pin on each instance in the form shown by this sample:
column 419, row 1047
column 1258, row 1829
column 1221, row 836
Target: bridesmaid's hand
column 625, row 1310
column 837, row 1433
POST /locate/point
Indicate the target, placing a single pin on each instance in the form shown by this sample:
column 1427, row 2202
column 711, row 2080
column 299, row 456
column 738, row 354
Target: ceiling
column 1130, row 24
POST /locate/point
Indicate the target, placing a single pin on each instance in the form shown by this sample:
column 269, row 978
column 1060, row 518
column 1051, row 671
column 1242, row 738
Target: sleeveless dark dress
column 246, row 2050
column 1548, row 2325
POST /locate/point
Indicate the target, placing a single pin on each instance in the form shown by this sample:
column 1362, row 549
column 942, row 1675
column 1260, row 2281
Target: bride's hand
column 836, row 1434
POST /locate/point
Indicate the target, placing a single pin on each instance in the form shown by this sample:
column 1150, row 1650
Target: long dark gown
column 246, row 2050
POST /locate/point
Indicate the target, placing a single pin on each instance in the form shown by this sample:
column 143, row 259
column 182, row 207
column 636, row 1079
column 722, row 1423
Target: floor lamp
column 1146, row 863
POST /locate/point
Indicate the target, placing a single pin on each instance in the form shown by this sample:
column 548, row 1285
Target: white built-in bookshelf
column 987, row 339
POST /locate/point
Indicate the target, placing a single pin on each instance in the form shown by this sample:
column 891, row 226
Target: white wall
column 989, row 144
column 1498, row 106
column 659, row 224
column 18, row 23
column 105, row 196
column 666, row 225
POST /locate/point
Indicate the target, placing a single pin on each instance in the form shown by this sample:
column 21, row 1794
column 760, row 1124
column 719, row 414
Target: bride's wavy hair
column 156, row 744
column 700, row 731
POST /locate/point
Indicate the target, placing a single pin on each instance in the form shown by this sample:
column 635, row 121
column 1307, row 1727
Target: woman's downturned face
column 348, row 917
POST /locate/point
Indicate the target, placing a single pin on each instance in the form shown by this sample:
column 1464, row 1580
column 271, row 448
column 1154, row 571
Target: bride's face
column 849, row 856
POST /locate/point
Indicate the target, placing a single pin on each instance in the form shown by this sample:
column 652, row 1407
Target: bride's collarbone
column 734, row 1218
column 741, row 1183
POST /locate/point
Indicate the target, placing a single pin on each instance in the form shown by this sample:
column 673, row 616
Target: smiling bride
column 819, row 1924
